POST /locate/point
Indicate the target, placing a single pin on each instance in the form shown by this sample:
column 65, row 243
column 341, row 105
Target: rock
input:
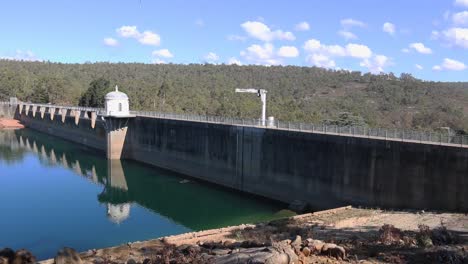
column 316, row 246
column 7, row 254
column 23, row 256
column 220, row 252
column 297, row 244
column 147, row 261
column 98, row 260
column 68, row 256
column 131, row 261
column 306, row 251
column 297, row 241
column 332, row 250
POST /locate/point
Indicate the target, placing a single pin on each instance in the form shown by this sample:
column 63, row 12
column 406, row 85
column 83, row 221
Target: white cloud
column 349, row 22
column 350, row 50
column 263, row 55
column 211, row 57
column 165, row 53
column 347, row 35
column 262, row 32
column 389, row 28
column 376, row 64
column 419, row 67
column 236, row 38
column 303, row 26
column 322, row 55
column 234, row 61
column 335, row 50
column 405, row 50
column 450, row 65
column 460, row 18
column 457, row 37
column 321, row 60
column 111, row 42
column 435, row 34
column 288, row 52
column 461, row 2
column 150, row 38
column 419, row 47
column 312, row 45
column 21, row 55
column 146, row 38
column 453, row 65
column 128, row 32
column 358, row 51
column 159, row 61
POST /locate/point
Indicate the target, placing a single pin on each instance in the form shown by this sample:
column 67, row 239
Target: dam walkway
column 445, row 138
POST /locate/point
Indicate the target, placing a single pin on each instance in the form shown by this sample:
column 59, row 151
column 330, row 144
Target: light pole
column 260, row 93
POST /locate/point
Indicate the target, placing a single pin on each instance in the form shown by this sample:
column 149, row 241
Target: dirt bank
column 335, row 236
column 10, row 124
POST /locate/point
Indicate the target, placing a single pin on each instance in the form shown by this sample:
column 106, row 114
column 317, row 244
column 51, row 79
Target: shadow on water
column 192, row 204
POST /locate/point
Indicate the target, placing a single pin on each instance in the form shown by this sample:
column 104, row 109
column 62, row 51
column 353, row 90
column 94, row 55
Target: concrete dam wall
column 79, row 130
column 7, row 111
column 321, row 169
column 324, row 170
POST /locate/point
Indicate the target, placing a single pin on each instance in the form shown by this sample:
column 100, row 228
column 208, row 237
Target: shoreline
column 351, row 235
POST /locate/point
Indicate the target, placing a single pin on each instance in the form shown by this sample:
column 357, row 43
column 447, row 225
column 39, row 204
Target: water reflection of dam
column 125, row 183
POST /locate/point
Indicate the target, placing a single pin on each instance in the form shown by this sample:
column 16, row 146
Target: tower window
column 120, row 107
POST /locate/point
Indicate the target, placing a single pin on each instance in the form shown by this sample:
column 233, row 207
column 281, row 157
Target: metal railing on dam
column 428, row 137
column 415, row 136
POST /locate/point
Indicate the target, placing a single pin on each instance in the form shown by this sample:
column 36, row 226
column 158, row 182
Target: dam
column 321, row 166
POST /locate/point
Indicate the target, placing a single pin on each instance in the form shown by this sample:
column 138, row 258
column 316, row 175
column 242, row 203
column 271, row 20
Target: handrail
column 429, row 137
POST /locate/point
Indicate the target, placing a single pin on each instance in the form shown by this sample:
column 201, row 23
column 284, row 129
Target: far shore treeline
column 305, row 94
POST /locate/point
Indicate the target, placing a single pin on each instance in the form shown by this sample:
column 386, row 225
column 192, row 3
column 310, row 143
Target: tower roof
column 116, row 95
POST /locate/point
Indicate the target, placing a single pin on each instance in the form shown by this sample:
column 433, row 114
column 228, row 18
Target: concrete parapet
column 42, row 110
column 52, row 113
column 93, row 119
column 63, row 114
column 77, row 114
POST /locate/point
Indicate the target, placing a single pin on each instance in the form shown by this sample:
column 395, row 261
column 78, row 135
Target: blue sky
column 428, row 38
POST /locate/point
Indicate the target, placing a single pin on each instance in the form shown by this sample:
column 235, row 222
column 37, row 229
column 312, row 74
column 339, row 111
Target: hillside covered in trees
column 306, row 94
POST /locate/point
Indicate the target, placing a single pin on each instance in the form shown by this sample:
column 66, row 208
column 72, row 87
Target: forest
column 306, row 94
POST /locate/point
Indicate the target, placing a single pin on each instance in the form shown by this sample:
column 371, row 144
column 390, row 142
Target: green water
column 54, row 193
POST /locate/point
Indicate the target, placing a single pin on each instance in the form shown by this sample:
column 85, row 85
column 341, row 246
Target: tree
column 94, row 96
column 163, row 91
column 347, row 119
column 40, row 94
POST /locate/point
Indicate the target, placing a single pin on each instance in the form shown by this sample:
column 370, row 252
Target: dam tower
column 116, row 117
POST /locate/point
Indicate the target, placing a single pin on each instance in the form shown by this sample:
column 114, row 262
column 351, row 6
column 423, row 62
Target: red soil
column 10, row 124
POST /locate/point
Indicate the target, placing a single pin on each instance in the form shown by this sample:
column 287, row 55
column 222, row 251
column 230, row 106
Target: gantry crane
column 260, row 93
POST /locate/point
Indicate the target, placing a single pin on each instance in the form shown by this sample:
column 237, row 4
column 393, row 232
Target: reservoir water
column 54, row 193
